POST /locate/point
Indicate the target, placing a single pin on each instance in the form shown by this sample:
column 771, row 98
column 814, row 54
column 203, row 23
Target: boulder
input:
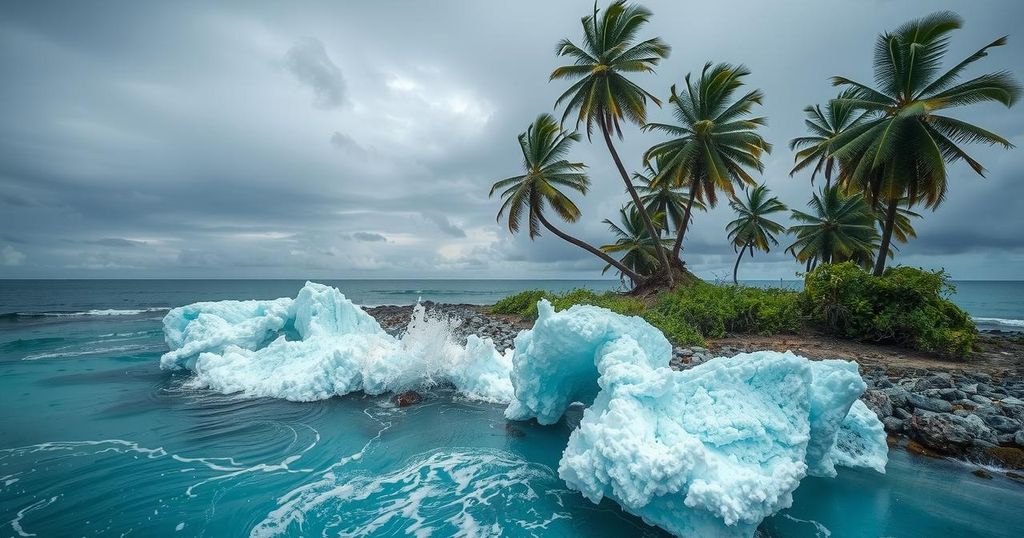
column 1001, row 423
column 878, row 402
column 407, row 398
column 918, row 401
column 943, row 432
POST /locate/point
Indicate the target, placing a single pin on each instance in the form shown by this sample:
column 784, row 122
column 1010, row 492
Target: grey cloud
column 368, row 236
column 11, row 256
column 151, row 127
column 308, row 61
column 117, row 242
column 444, row 224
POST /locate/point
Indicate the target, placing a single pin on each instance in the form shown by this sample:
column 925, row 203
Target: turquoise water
column 96, row 440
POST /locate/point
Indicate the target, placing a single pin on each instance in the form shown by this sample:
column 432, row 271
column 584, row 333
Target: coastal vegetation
column 883, row 151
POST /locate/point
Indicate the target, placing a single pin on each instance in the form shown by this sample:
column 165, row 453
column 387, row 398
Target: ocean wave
column 83, row 353
column 1014, row 323
column 13, row 316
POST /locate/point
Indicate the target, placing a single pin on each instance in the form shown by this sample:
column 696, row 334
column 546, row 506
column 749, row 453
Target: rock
column 1015, row 476
column 878, row 402
column 894, row 425
column 1018, row 438
column 977, row 398
column 943, row 432
column 1011, row 401
column 897, row 395
column 940, row 380
column 1007, row 456
column 917, row 448
column 929, row 404
column 901, row 413
column 951, row 394
column 982, row 473
column 407, row 398
column 1002, row 423
column 970, row 389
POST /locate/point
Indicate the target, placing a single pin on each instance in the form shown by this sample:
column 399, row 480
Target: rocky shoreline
column 972, row 410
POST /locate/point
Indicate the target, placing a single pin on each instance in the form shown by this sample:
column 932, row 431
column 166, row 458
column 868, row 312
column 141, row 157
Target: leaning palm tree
column 752, row 228
column 825, row 125
column 840, row 227
column 903, row 151
column 632, row 241
column 603, row 96
column 545, row 146
column 662, row 197
column 716, row 138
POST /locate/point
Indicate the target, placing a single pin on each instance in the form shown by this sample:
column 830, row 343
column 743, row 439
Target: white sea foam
column 1012, row 323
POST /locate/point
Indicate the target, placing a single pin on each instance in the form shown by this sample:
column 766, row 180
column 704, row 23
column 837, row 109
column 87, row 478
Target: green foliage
column 905, row 306
column 715, row 310
column 687, row 315
column 522, row 304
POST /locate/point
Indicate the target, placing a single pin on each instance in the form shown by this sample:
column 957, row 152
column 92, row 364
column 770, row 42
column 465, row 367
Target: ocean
column 95, row 439
column 993, row 304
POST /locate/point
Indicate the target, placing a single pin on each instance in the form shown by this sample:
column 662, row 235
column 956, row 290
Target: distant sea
column 993, row 304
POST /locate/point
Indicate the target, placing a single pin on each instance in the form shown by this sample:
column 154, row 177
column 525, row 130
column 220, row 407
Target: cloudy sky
column 359, row 140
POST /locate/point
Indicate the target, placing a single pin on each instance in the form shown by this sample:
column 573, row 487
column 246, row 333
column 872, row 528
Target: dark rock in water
column 917, row 448
column 1015, row 476
column 982, row 473
column 407, row 398
column 513, row 431
column 929, row 404
column 1007, row 456
column 894, row 425
column 941, row 431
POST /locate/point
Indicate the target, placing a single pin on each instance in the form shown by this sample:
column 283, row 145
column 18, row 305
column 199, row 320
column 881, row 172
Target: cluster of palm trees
column 882, row 150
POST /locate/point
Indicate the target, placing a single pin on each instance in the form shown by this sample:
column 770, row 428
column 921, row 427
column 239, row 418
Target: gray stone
column 1001, row 423
column 940, row 380
column 941, row 431
column 897, row 395
column 1011, row 401
column 894, row 425
column 1018, row 438
column 980, row 399
column 951, row 394
column 929, row 404
column 970, row 389
column 901, row 413
column 878, row 402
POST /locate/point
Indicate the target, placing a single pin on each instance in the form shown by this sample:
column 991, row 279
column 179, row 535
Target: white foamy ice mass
column 710, row 451
column 320, row 345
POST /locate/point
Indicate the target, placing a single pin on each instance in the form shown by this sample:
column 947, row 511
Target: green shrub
column 687, row 315
column 905, row 306
column 522, row 304
column 714, row 310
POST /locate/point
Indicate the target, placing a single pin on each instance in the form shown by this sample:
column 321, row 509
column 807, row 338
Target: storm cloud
column 243, row 139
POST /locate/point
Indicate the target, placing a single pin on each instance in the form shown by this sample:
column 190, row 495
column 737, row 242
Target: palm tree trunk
column 736, row 267
column 659, row 248
column 883, row 249
column 678, row 246
column 585, row 246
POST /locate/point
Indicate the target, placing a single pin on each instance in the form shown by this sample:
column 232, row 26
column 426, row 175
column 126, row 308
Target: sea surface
column 96, row 440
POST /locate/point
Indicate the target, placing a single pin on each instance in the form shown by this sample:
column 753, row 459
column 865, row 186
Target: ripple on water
column 444, row 492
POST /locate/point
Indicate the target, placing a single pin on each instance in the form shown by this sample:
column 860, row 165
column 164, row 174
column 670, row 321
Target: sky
column 359, row 140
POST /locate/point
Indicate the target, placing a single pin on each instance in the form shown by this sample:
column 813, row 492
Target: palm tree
column 840, row 227
column 603, row 95
column 661, row 197
column 752, row 229
column 545, row 146
column 824, row 125
column 633, row 241
column 904, row 149
column 716, row 139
